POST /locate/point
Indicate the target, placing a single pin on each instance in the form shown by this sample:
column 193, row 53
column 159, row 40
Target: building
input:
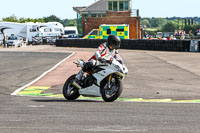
column 108, row 12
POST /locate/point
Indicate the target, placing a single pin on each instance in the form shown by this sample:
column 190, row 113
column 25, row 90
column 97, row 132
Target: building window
column 97, row 15
column 121, row 6
column 126, row 5
column 115, row 6
column 103, row 15
column 47, row 30
column 120, row 30
column 110, row 5
column 93, row 15
column 33, row 30
column 118, row 5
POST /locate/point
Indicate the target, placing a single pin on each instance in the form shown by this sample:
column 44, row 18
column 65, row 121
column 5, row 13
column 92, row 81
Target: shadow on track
column 57, row 100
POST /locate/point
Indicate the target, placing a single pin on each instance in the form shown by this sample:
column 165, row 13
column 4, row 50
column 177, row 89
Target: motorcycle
column 103, row 80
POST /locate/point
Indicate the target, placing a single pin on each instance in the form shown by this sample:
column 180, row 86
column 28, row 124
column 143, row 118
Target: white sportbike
column 104, row 80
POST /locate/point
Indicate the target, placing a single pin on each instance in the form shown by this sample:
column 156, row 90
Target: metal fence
column 44, row 40
column 192, row 37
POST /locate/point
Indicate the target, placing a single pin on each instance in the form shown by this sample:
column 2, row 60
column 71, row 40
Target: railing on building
column 135, row 13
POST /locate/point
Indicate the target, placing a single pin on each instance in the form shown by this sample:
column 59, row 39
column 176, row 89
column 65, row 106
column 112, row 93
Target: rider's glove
column 110, row 61
column 87, row 66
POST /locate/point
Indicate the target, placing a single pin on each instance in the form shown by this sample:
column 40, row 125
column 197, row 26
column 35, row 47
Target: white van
column 70, row 30
column 51, row 29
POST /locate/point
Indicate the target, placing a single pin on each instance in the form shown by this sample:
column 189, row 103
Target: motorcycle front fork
column 79, row 76
column 109, row 79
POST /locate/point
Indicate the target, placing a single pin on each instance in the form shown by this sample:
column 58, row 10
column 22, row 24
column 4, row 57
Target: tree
column 72, row 22
column 158, row 22
column 64, row 22
column 146, row 22
column 12, row 18
column 52, row 18
column 41, row 20
column 187, row 28
column 169, row 27
column 22, row 20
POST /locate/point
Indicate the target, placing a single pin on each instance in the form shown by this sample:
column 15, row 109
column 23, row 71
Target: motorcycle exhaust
column 76, row 85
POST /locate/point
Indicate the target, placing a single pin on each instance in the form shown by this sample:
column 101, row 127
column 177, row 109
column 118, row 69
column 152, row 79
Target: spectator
column 154, row 35
column 195, row 33
column 182, row 34
column 176, row 33
column 198, row 32
column 190, row 33
column 146, row 34
column 4, row 40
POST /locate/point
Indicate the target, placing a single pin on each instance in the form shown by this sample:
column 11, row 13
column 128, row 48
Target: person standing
column 146, row 34
column 4, row 40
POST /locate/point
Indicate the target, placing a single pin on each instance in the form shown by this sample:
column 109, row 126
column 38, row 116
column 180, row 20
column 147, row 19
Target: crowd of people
column 178, row 34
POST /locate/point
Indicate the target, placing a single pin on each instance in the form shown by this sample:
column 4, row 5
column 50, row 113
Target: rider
column 105, row 53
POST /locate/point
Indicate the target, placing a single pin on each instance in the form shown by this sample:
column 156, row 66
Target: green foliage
column 12, row 18
column 169, row 27
column 187, row 28
column 158, row 22
column 169, row 24
column 145, row 22
column 52, row 18
column 153, row 22
column 72, row 22
column 64, row 22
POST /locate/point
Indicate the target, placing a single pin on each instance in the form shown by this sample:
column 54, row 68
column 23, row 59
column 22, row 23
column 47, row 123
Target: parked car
column 73, row 36
column 14, row 41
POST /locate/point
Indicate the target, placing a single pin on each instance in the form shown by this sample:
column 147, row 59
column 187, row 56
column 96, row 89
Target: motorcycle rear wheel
column 70, row 92
column 115, row 94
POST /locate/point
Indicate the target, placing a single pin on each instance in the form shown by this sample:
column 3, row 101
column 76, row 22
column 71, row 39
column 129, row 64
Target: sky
column 63, row 8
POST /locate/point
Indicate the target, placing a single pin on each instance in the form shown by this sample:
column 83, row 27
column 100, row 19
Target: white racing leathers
column 103, row 52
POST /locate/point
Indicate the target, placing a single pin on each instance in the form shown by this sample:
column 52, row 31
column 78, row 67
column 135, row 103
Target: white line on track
column 41, row 76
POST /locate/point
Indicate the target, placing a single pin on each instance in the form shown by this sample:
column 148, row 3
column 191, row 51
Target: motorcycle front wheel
column 111, row 92
column 70, row 92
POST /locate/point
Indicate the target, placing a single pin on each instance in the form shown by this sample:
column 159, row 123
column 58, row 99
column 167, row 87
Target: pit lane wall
column 160, row 45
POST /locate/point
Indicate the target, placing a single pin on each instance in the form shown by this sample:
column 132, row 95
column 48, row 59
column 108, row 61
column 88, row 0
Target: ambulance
column 105, row 30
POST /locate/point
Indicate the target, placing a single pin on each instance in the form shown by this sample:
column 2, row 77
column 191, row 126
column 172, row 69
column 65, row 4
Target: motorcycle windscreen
column 119, row 59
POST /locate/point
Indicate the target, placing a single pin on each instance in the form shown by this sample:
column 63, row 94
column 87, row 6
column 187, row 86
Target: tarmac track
column 40, row 114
